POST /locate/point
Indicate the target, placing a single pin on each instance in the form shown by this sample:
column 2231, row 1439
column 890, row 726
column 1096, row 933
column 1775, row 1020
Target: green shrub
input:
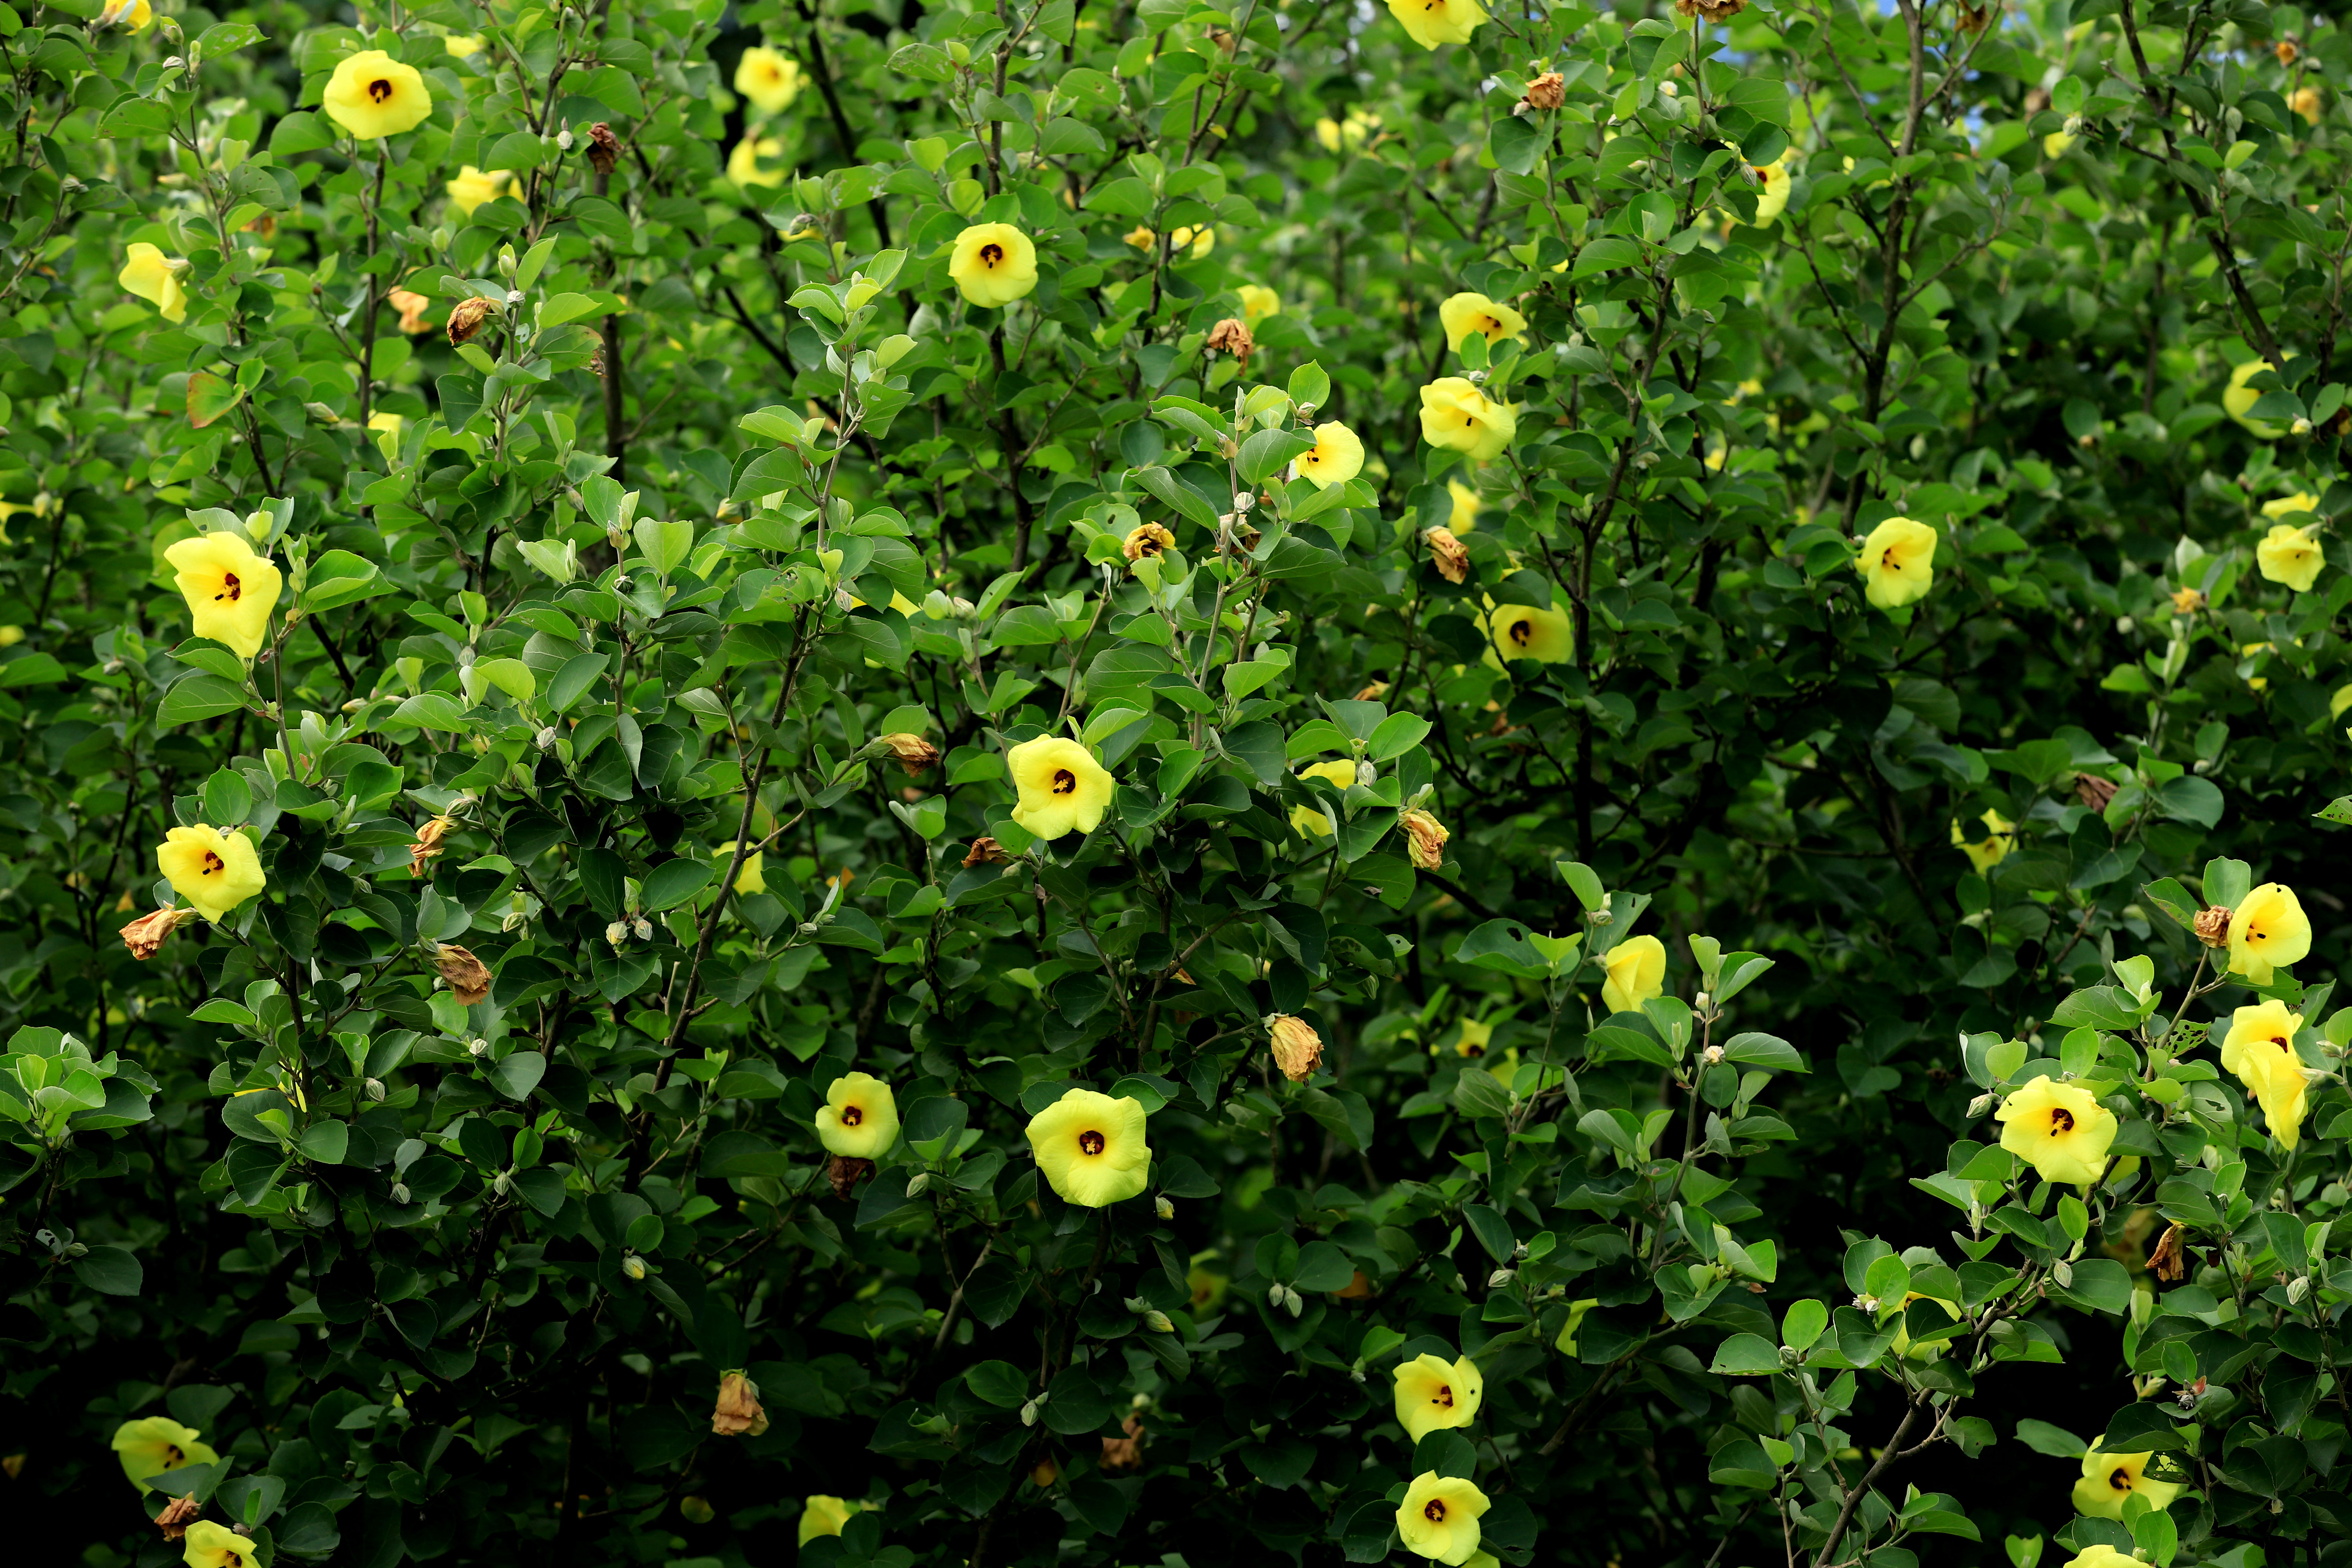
column 1134, row 784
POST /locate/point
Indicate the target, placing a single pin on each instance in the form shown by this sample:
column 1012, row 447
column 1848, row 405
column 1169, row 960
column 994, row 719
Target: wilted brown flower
column 2168, row 1260
column 1045, row 1474
column 1548, row 90
column 1974, row 17
column 1232, row 336
column 177, row 1515
column 1452, row 557
column 985, row 851
column 1296, row 1047
column 2288, row 51
column 149, row 932
column 1151, row 539
column 1357, row 1289
column 468, row 977
column 738, row 1412
column 1713, row 10
column 2093, row 791
column 1426, row 837
column 466, row 318
column 604, row 148
column 845, row 1173
column 411, row 306
column 1120, row 1455
column 914, row 752
column 1373, row 692
column 2212, row 926
column 428, row 845
column 2188, row 601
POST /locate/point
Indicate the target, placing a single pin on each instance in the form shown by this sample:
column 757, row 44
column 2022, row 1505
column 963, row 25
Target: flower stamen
column 232, row 590
column 380, row 90
column 1065, row 780
column 2062, row 1121
column 1092, row 1143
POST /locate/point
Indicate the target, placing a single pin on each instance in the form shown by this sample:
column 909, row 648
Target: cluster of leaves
column 672, row 553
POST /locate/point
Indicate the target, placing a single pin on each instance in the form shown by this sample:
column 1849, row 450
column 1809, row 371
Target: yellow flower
column 1772, row 197
column 1986, row 852
column 1258, row 302
column 1091, row 1147
column 2265, row 1024
column 1463, row 314
column 214, row 1545
column 859, row 1119
column 2239, row 399
column 1351, row 134
column 2287, row 506
column 1338, row 457
column 472, row 187
column 156, row 278
column 1432, row 1397
column 131, row 16
column 824, row 1516
column 1306, row 819
column 373, row 96
column 1063, row 789
column 157, row 1443
column 2305, row 101
column 230, row 590
column 460, row 45
column 2101, row 1555
column 1934, row 1348
column 1457, row 416
column 2108, row 1480
column 1637, row 970
column 2056, row 144
column 2059, row 1129
column 1195, row 242
column 1523, row 631
column 1466, row 507
column 1898, row 563
column 385, row 421
column 1566, row 1343
column 1475, row 1038
column 2289, row 555
column 2267, row 930
column 2276, row 1079
column 769, row 80
column 11, row 635
column 213, row 870
column 1430, row 23
column 1439, row 1516
column 756, row 161
column 993, row 264
column 754, row 876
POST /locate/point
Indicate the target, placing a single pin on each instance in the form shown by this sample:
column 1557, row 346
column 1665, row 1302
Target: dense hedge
column 1126, row 782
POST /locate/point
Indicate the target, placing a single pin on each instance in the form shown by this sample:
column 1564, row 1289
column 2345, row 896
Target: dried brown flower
column 2093, row 791
column 1122, row 1455
column 2288, row 51
column 1373, row 692
column 1232, row 336
column 468, row 977
column 985, row 851
column 738, row 1414
column 466, row 318
column 2188, row 601
column 1548, row 90
column 1974, row 17
column 429, row 844
column 149, row 932
column 914, row 752
column 1713, row 10
column 2212, row 926
column 2168, row 1261
column 411, row 306
column 604, row 148
column 1151, row 539
column 1426, row 839
column 1359, row 1289
column 1296, row 1047
column 1452, row 556
column 177, row 1515
column 845, row 1173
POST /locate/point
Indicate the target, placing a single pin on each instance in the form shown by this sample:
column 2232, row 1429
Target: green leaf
column 673, row 882
column 196, row 698
column 109, row 1270
column 1748, row 1355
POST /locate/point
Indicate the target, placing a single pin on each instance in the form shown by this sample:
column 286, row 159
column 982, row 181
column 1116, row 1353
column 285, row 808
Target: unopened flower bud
column 545, row 739
column 1163, row 1208
column 632, row 1266
column 645, row 929
column 1029, row 1413
column 1865, row 1303
column 1500, row 1278
column 399, row 1193
column 1712, row 1054
column 1980, row 1105
column 917, row 1183
column 375, row 1088
column 1159, row 1322
column 617, row 932
column 501, row 1183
